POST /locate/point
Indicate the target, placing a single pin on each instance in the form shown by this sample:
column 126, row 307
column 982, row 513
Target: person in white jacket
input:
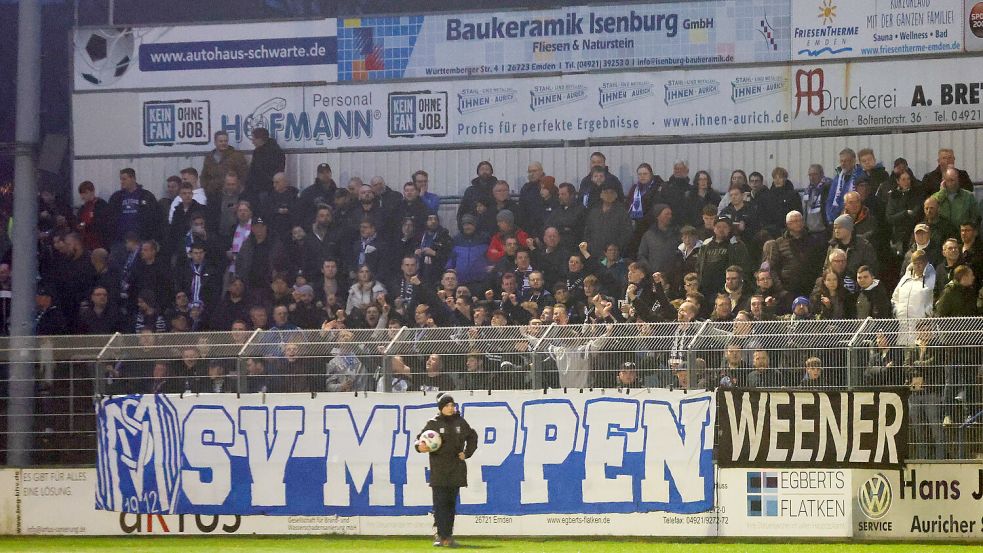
column 913, row 297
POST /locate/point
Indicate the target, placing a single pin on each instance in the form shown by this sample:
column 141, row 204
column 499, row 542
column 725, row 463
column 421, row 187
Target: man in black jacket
column 268, row 160
column 448, row 471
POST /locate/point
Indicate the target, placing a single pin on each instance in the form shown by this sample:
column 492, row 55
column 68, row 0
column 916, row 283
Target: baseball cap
column 323, row 167
column 922, row 227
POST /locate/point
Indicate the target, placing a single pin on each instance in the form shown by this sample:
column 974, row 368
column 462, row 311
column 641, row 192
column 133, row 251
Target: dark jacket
column 147, row 218
column 457, row 436
column 797, row 261
column 312, row 196
column 569, row 221
column 904, row 211
column 532, row 209
column 213, row 171
column 956, row 301
column 282, row 211
column 775, row 205
column 607, row 227
column 932, row 181
column 268, row 160
column 874, row 302
column 479, row 191
column 713, row 260
column 589, row 194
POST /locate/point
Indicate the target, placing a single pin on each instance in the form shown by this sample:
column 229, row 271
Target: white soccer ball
column 431, row 439
column 102, row 56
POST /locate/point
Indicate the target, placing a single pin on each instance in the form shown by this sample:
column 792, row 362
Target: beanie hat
column 505, row 215
column 443, row 399
column 801, row 300
column 845, row 222
column 468, row 219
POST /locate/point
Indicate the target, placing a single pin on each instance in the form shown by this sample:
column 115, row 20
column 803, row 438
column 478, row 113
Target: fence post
column 387, row 369
column 98, row 379
column 691, row 374
column 851, row 348
column 537, row 358
column 241, row 380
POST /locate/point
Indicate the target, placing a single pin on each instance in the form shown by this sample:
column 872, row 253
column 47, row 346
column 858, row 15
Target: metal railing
column 939, row 360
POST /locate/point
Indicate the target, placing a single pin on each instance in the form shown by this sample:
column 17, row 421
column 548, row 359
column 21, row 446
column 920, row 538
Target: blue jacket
column 468, row 258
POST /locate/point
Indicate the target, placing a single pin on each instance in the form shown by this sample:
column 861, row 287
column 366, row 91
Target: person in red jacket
column 506, row 229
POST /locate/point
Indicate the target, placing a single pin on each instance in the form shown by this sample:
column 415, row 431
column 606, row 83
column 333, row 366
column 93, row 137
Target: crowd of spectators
column 234, row 245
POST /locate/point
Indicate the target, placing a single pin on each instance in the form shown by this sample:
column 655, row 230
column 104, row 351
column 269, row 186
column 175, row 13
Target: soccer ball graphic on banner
column 431, row 439
column 102, row 56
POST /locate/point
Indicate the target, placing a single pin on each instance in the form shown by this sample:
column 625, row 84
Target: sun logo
column 827, row 11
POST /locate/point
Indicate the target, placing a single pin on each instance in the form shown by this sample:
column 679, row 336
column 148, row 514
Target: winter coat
column 213, row 170
column 569, row 222
column 778, row 203
column 446, row 467
column 859, row 252
column 147, row 221
column 713, row 260
column 913, row 297
column 479, row 191
column 932, row 181
column 956, row 301
column 904, row 211
column 607, row 227
column 873, row 302
column 268, row 160
column 796, row 261
column 959, row 209
column 468, row 258
column 658, row 251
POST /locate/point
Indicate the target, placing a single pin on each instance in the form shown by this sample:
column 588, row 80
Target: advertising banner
column 785, row 429
column 582, row 454
column 974, row 25
column 205, row 55
column 921, row 502
column 897, row 94
column 863, row 28
column 565, row 40
column 808, row 503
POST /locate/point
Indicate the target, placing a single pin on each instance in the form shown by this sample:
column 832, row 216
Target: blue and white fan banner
column 338, row 454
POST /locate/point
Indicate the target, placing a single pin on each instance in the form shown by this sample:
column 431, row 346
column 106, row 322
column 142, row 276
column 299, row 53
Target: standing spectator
column 607, row 223
column 718, row 253
column 590, row 189
column 781, row 200
column 434, row 249
column 832, row 298
column 365, row 291
column 100, row 316
column 282, row 208
column 198, row 278
column 865, row 223
column 371, row 250
column 422, row 181
column 794, row 256
column 481, row 188
column 872, row 297
column 923, row 241
column 699, row 197
column 946, row 268
column 846, row 177
column 913, row 297
column 568, row 218
column 874, row 172
column 940, row 229
column 904, row 211
column 368, row 207
column 222, row 211
column 93, row 218
column 239, row 233
column 268, row 160
column 322, row 191
column 636, row 194
column 763, row 375
column 900, row 168
column 172, row 189
column 932, row 181
column 658, row 248
column 189, row 175
column 956, row 205
column 814, row 200
column 958, row 298
column 221, row 161
column 181, row 222
column 152, row 274
column 258, row 257
column 675, row 190
column 468, row 254
column 389, row 199
column 506, row 229
column 531, row 213
column 858, row 250
column 132, row 208
column 971, row 250
column 410, row 206
column 744, row 216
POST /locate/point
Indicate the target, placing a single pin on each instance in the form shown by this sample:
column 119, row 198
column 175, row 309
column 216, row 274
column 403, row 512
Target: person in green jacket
column 958, row 298
column 956, row 205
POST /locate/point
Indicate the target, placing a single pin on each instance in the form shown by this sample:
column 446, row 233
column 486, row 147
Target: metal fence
column 939, row 360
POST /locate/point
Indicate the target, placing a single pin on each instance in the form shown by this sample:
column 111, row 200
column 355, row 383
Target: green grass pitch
column 184, row 544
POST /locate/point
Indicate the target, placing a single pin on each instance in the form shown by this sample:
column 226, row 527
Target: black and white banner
column 812, row 429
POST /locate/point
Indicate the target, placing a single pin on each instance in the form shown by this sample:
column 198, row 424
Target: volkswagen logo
column 875, row 497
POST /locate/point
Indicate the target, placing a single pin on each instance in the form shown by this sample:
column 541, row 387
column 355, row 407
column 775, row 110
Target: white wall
column 451, row 170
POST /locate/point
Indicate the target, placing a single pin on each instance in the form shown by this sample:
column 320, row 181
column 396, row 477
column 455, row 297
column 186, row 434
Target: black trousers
column 444, row 509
